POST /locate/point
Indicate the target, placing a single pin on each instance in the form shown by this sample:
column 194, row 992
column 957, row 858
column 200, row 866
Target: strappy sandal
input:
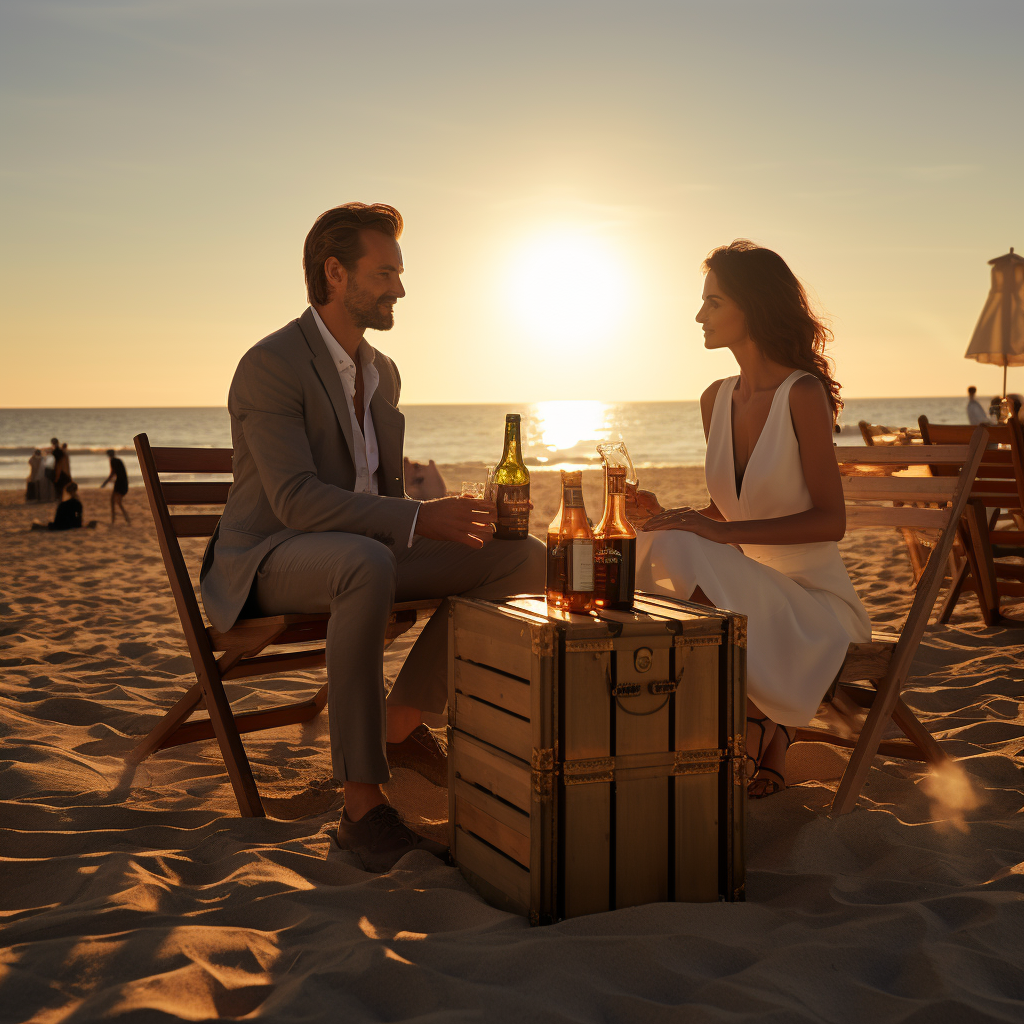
column 772, row 787
column 755, row 759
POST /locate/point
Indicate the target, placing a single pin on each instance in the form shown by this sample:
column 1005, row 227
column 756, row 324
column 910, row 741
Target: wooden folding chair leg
column 249, row 803
column 864, row 752
column 956, row 588
column 171, row 720
column 979, row 553
column 918, row 734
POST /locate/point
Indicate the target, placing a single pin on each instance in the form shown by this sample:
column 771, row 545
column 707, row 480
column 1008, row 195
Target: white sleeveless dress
column 802, row 611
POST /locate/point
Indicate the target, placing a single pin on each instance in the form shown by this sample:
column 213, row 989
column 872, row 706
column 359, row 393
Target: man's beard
column 376, row 313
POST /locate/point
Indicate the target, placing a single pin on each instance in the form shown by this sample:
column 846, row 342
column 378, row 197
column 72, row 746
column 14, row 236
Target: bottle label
column 614, row 572
column 580, row 566
column 513, row 511
column 573, row 497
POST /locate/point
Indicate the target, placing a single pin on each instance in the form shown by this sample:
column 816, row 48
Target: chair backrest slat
column 890, row 488
column 1000, row 477
column 194, row 525
column 878, row 516
column 901, row 455
column 195, row 493
column 934, row 572
column 168, row 531
column 191, row 460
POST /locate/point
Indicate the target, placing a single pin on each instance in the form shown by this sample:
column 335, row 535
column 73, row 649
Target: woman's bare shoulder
column 807, row 393
column 711, row 393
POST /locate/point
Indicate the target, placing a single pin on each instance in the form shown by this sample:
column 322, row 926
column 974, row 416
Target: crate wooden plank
column 641, row 721
column 481, row 814
column 586, row 686
column 587, row 811
column 697, row 837
column 501, row 730
column 506, row 692
column 494, row 640
column 641, row 841
column 493, row 867
column 492, row 769
column 697, row 710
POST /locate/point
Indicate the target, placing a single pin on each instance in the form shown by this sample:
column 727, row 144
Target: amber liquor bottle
column 570, row 570
column 614, row 547
column 512, row 486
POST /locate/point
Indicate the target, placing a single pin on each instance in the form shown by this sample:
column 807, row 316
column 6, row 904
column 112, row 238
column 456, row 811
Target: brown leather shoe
column 422, row 753
column 380, row 839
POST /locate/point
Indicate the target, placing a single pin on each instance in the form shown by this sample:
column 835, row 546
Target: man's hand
column 468, row 521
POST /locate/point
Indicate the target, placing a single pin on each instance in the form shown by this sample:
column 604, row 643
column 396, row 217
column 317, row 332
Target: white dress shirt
column 976, row 414
column 364, row 438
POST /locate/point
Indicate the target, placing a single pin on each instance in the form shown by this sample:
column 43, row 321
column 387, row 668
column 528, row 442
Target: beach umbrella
column 999, row 336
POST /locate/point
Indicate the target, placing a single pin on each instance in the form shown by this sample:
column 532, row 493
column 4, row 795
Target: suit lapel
column 328, row 373
column 389, row 426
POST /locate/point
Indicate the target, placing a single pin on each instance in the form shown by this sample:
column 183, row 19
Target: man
column 119, row 475
column 318, row 520
column 976, row 414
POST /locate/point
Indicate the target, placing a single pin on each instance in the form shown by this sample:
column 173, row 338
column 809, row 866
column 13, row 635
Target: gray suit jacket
column 291, row 431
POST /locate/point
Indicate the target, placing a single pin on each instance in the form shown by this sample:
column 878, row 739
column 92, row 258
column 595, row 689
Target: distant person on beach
column 36, row 470
column 993, row 408
column 318, row 520
column 68, row 515
column 61, row 468
column 976, row 414
column 767, row 543
column 120, row 477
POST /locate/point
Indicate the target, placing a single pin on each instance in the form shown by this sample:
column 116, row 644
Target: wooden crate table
column 596, row 761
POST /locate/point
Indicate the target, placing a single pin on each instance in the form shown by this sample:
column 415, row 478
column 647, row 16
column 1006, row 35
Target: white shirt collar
column 344, row 362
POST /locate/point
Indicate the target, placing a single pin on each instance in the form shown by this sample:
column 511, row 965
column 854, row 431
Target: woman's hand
column 689, row 519
column 640, row 506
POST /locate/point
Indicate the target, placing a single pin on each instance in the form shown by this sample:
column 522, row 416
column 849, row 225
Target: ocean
column 556, row 434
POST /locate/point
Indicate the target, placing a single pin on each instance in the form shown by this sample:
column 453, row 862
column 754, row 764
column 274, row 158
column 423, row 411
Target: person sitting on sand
column 120, row 477
column 318, row 520
column 767, row 544
column 68, row 515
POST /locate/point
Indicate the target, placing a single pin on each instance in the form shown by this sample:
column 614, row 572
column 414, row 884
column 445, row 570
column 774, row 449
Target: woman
column 766, row 546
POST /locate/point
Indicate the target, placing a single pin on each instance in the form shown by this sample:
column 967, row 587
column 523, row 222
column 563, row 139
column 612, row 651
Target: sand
column 140, row 896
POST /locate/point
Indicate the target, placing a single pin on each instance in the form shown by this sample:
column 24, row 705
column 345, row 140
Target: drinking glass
column 615, row 453
column 472, row 489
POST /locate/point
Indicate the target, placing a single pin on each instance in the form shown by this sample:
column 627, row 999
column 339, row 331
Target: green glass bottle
column 512, row 486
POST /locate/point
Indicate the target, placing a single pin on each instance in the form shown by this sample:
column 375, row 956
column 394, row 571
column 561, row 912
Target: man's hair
column 337, row 233
column 110, row 453
column 972, row 390
column 71, row 488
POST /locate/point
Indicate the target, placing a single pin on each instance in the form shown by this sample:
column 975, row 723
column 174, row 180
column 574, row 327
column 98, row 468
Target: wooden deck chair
column 874, row 674
column 997, row 492
column 241, row 646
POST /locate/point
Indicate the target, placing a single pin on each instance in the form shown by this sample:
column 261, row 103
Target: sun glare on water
column 567, row 286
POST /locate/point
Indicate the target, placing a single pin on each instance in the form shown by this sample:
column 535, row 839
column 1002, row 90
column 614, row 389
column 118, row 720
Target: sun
column 567, row 285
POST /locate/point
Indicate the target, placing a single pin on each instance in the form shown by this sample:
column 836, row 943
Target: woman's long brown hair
column 779, row 317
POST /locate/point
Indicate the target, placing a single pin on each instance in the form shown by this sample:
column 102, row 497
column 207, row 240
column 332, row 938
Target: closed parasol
column 999, row 336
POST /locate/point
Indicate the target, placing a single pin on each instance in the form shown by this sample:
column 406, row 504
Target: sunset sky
column 563, row 168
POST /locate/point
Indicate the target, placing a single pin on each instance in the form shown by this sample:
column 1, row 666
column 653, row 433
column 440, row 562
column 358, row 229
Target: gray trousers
column 357, row 579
